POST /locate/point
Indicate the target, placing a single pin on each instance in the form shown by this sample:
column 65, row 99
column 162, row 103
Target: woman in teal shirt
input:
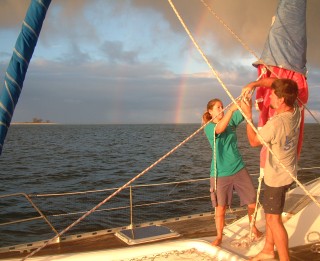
column 228, row 170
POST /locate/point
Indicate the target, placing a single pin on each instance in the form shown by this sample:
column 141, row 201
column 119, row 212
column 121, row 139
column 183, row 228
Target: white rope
column 284, row 167
column 116, row 192
column 234, row 101
column 246, row 46
column 215, row 160
column 254, row 215
column 305, row 107
column 163, row 157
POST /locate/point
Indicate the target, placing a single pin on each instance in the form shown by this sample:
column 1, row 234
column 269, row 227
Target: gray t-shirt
column 281, row 133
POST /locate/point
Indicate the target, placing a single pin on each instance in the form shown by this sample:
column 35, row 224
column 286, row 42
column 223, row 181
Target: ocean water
column 41, row 159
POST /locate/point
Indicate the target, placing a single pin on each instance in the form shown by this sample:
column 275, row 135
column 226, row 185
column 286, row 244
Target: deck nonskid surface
column 196, row 227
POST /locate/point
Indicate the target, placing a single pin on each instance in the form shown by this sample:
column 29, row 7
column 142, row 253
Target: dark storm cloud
column 250, row 19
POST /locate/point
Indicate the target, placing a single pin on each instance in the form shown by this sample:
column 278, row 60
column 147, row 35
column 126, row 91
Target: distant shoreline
column 33, row 123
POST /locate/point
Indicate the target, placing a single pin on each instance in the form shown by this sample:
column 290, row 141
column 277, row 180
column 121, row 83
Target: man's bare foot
column 262, row 256
column 216, row 242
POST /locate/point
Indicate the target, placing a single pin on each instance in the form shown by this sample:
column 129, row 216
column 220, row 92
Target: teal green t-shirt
column 229, row 159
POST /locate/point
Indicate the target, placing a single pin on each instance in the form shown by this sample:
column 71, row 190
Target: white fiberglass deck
column 175, row 250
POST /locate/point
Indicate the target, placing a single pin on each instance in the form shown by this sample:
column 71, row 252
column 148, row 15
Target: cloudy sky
column 130, row 61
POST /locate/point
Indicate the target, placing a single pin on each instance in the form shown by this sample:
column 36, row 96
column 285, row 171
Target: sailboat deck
column 197, row 226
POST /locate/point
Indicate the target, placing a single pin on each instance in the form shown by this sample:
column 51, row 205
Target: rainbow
column 179, row 117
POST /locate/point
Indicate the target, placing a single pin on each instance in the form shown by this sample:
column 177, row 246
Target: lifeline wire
column 170, row 152
column 116, row 192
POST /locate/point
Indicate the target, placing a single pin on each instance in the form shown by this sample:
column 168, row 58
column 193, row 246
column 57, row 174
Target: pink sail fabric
column 284, row 56
column 263, row 100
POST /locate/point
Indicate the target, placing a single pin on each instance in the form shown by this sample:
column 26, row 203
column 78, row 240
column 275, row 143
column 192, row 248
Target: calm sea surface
column 41, row 159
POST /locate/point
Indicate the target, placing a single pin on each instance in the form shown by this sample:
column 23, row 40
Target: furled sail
column 284, row 56
column 19, row 63
column 286, row 44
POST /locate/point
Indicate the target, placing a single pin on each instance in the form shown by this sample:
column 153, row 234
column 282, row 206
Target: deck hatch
column 145, row 234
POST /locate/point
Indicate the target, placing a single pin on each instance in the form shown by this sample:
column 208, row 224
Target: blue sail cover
column 18, row 66
column 286, row 45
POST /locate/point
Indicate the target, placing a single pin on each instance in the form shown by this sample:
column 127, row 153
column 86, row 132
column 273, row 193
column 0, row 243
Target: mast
column 18, row 65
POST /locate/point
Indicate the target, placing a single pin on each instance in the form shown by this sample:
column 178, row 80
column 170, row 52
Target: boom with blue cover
column 18, row 66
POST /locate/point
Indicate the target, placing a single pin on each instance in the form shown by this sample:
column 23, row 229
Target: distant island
column 35, row 121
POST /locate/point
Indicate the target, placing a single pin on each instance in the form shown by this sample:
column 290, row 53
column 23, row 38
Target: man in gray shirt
column 281, row 134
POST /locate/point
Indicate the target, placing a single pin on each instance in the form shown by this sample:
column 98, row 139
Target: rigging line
column 234, row 101
column 231, row 97
column 281, row 164
column 314, row 117
column 204, row 57
column 255, row 212
column 246, row 46
column 124, row 207
column 206, row 60
column 108, row 189
column 115, row 193
column 83, row 212
column 309, row 168
column 239, row 97
column 71, row 193
column 118, row 191
column 231, row 31
column 159, row 160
